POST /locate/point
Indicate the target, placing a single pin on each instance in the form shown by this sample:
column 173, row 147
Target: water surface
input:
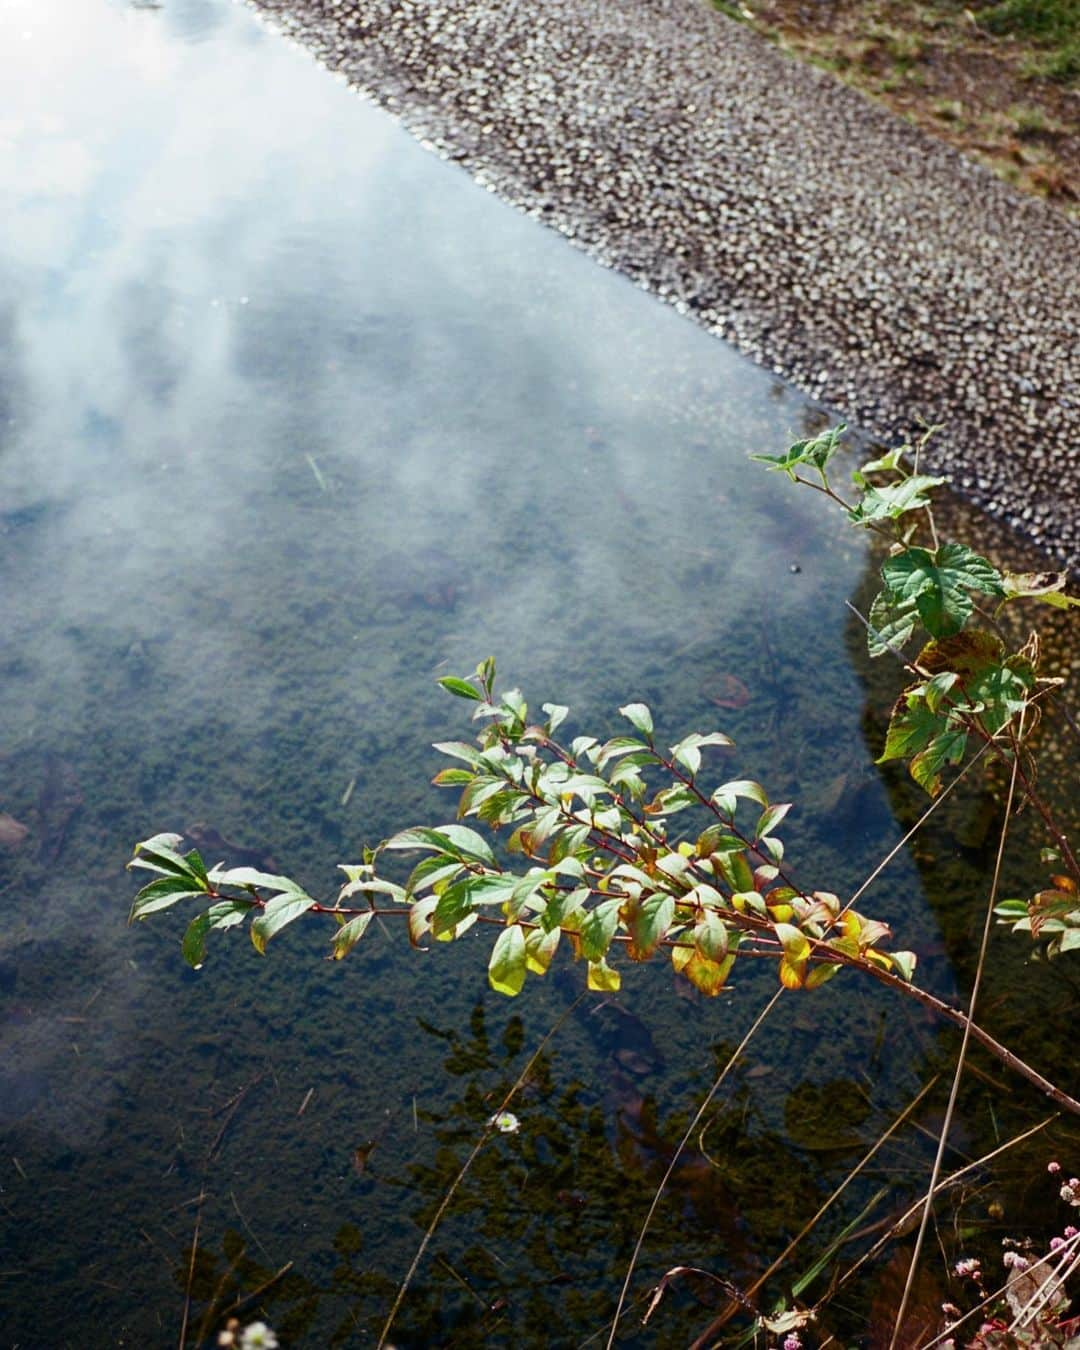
column 293, row 418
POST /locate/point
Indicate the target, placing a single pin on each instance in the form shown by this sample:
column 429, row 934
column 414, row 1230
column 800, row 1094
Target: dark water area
column 293, row 419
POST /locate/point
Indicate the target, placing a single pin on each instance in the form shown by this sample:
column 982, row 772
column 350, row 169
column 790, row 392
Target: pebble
column 869, row 264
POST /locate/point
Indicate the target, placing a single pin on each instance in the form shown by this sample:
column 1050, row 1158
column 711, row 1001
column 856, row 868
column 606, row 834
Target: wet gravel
column 869, row 264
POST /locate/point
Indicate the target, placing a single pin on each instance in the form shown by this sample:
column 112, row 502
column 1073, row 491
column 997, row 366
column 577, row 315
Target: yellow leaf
column 792, row 973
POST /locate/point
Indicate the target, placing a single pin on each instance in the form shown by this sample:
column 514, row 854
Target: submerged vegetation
column 624, row 850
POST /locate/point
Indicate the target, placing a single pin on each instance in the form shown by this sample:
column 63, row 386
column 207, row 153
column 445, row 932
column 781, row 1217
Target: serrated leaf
column 889, row 626
column 912, row 727
column 967, row 654
column 939, row 584
column 639, row 716
column 557, row 714
column 507, row 966
column 277, row 914
column 815, row 452
column 894, row 499
column 926, row 766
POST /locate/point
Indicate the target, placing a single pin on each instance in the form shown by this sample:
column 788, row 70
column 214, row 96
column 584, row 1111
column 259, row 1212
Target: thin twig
column 678, row 1154
column 191, row 1272
column 955, row 1090
column 724, row 1317
column 488, row 1130
column 896, row 1229
column 261, row 1289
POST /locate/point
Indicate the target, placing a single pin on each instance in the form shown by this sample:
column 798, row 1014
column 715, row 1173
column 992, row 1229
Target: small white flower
column 505, row 1122
column 258, row 1336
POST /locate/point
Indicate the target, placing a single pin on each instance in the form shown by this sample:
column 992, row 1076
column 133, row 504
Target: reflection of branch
column 678, row 1154
column 488, row 1131
column 955, row 1090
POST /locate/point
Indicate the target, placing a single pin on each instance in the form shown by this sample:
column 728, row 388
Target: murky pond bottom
column 294, row 418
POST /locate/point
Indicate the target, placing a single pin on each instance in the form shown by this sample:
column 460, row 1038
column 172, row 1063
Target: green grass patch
column 1053, row 24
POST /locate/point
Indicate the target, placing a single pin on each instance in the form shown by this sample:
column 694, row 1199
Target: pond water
column 293, row 419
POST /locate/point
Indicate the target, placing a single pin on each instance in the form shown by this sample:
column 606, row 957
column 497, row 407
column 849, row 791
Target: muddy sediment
column 872, row 266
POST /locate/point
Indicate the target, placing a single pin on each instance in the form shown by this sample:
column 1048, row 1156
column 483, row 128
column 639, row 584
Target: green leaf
column 743, row 787
column 602, row 979
column 939, row 584
column 561, row 906
column 557, row 714
column 735, row 870
column 905, row 964
column 159, row 855
column 507, row 966
column 926, row 767
column 248, row 876
column 278, row 912
column 688, row 751
column 459, row 750
column 816, row 453
column 820, row 974
column 452, row 777
column 889, row 626
column 711, row 936
column 457, row 840
column 938, row 687
column 226, row 914
column 912, row 728
column 1003, row 691
column 162, row 894
column 895, row 500
column 706, row 975
column 639, row 717
column 647, row 922
column 346, row 937
column 795, row 943
column 420, row 919
column 540, row 949
column 598, row 928
column 770, row 819
column 460, row 687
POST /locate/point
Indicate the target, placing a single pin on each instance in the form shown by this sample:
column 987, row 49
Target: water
column 293, row 418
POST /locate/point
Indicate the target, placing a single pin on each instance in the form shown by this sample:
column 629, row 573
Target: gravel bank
column 869, row 264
